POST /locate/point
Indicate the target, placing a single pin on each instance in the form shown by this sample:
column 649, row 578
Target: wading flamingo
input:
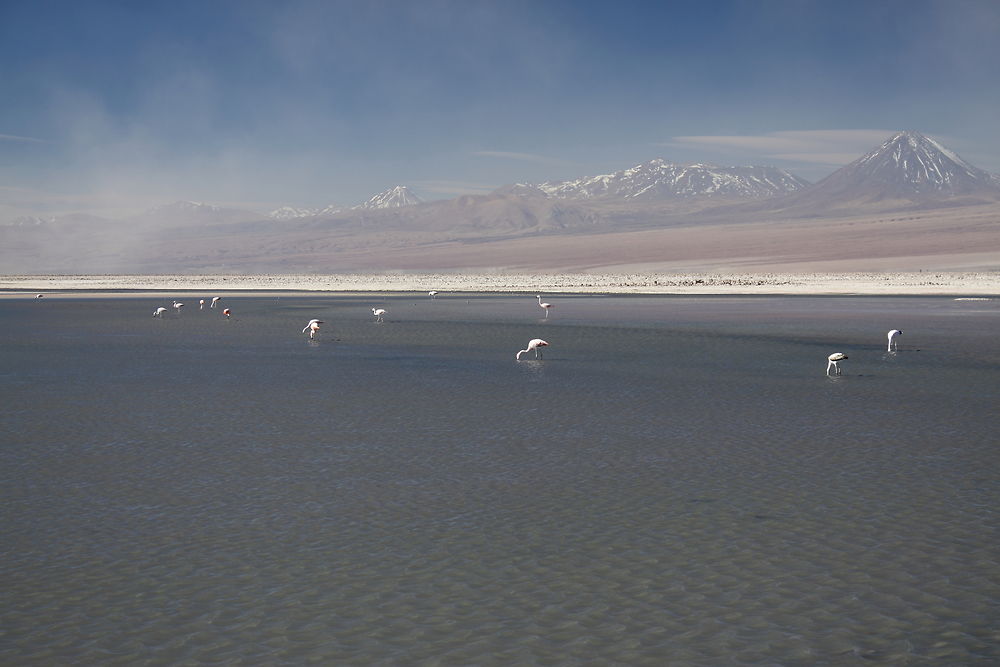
column 201, row 304
column 227, row 313
column 159, row 312
column 178, row 305
column 378, row 313
column 215, row 300
column 892, row 343
column 543, row 304
column 432, row 294
column 533, row 344
column 835, row 360
column 39, row 296
column 312, row 327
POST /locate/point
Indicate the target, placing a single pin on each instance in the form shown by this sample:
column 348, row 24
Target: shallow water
column 677, row 481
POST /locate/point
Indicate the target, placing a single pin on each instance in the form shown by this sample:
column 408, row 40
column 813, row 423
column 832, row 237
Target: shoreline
column 929, row 283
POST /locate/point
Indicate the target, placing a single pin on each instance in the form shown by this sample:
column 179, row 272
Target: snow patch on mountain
column 395, row 197
column 659, row 179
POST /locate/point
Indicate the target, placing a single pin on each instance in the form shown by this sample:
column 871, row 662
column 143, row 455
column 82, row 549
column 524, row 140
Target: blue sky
column 112, row 107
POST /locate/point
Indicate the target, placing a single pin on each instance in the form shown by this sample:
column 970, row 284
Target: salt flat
column 981, row 283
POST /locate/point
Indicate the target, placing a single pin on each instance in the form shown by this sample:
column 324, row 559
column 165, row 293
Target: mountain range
column 908, row 175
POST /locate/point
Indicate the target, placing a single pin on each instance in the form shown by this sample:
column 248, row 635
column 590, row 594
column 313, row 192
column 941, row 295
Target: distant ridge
column 913, row 198
column 395, row 197
column 662, row 180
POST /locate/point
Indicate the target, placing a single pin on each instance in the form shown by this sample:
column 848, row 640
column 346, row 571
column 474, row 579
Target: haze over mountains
column 656, row 215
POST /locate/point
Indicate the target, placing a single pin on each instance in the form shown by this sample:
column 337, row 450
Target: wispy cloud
column 821, row 147
column 25, row 140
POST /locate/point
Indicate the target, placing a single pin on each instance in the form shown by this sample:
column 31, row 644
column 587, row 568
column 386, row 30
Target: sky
column 112, row 107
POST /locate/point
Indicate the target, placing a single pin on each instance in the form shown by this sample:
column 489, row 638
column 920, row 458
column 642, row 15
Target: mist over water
column 676, row 480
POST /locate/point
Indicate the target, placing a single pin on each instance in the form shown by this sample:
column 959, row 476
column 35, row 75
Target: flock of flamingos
column 535, row 344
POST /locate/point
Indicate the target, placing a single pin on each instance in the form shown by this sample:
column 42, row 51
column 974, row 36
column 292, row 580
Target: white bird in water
column 432, row 294
column 39, row 296
column 835, row 360
column 543, row 304
column 215, row 300
column 227, row 313
column 178, row 305
column 159, row 312
column 378, row 313
column 533, row 344
column 201, row 304
column 313, row 327
column 892, row 336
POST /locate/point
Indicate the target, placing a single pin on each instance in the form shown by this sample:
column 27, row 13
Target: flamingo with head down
column 533, row 344
column 892, row 342
column 834, row 362
column 312, row 327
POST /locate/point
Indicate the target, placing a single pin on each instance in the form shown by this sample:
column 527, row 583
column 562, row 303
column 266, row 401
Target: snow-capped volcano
column 659, row 179
column 395, row 197
column 909, row 165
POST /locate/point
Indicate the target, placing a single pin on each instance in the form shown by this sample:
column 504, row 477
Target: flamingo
column 543, row 304
column 835, row 360
column 378, row 312
column 432, row 294
column 533, row 344
column 39, row 296
column 178, row 305
column 893, row 343
column 312, row 327
column 159, row 312
column 201, row 304
column 227, row 313
column 215, row 300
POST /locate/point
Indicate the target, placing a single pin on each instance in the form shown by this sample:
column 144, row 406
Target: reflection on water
column 677, row 478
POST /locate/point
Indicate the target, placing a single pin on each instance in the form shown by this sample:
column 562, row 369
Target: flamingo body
column 378, row 313
column 533, row 344
column 159, row 312
column 834, row 362
column 227, row 312
column 215, row 300
column 432, row 294
column 312, row 327
column 545, row 306
column 892, row 342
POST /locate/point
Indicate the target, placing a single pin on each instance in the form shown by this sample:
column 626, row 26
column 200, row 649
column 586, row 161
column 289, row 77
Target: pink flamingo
column 313, row 327
column 378, row 313
column 533, row 344
column 543, row 304
column 892, row 336
column 835, row 360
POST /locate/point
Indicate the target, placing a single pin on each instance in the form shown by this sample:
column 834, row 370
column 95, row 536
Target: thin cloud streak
column 26, row 140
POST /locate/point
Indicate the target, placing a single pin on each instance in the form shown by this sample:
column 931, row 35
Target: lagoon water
column 676, row 482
